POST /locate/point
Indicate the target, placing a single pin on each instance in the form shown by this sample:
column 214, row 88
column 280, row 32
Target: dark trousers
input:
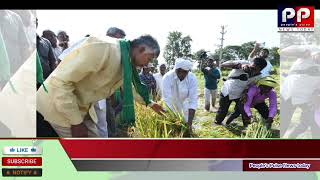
column 44, row 128
column 113, row 109
column 224, row 104
column 306, row 119
column 262, row 109
column 110, row 114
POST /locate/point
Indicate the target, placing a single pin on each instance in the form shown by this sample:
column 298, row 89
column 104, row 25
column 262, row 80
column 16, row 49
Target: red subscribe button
column 21, row 161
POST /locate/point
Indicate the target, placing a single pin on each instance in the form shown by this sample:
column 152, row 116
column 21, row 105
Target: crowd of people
column 88, row 80
column 88, row 84
column 91, row 82
column 249, row 83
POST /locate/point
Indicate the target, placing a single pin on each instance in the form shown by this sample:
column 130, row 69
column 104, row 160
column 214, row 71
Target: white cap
column 183, row 64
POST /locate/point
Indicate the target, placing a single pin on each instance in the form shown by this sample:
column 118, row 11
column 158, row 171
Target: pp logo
column 296, row 19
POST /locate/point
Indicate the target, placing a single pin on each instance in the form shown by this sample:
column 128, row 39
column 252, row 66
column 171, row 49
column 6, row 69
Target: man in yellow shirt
column 88, row 74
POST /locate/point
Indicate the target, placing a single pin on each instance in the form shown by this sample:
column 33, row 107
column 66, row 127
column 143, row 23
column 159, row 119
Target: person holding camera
column 211, row 76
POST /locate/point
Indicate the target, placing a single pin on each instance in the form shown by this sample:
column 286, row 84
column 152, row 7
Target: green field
column 205, row 128
column 150, row 125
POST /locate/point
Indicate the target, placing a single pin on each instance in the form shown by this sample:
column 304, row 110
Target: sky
column 203, row 26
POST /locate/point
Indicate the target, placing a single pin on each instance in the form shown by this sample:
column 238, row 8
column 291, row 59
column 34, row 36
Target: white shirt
column 180, row 96
column 300, row 87
column 158, row 77
column 267, row 70
column 102, row 125
column 57, row 51
column 235, row 87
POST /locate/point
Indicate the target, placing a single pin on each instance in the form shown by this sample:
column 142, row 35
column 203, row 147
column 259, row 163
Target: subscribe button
column 30, row 150
column 21, row 161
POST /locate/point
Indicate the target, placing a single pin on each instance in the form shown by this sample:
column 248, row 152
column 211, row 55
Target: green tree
column 246, row 49
column 172, row 49
column 200, row 56
column 238, row 52
column 232, row 52
column 186, row 46
column 155, row 63
column 229, row 53
column 274, row 56
column 177, row 46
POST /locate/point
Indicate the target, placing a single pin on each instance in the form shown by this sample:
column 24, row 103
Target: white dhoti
column 101, row 110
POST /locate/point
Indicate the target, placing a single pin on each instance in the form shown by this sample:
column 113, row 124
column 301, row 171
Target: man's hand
column 255, row 50
column 191, row 117
column 79, row 130
column 205, row 70
column 158, row 109
column 237, row 66
column 256, row 46
column 245, row 68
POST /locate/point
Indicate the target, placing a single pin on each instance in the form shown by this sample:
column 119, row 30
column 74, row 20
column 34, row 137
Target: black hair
column 266, row 50
column 148, row 41
column 61, row 32
column 114, row 30
column 47, row 33
column 261, row 63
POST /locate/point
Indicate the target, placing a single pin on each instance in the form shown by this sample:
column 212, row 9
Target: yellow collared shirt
column 88, row 74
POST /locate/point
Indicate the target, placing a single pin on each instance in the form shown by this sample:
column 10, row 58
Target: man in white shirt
column 159, row 76
column 243, row 73
column 299, row 87
column 262, row 53
column 180, row 90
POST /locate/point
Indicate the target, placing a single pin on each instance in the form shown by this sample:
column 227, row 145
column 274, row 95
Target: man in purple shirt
column 255, row 98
